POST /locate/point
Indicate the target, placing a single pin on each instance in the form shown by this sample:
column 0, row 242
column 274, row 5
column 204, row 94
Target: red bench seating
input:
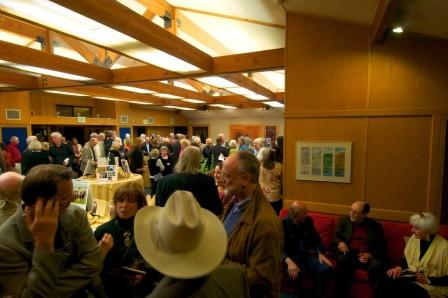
column 394, row 232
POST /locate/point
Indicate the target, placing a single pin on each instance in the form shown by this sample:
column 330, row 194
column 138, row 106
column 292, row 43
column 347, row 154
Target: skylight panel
column 241, row 91
column 68, row 53
column 222, row 106
column 274, row 104
column 184, row 86
column 141, row 102
column 179, row 108
column 133, row 89
column 109, row 98
column 14, row 38
column 190, row 100
column 256, row 97
column 65, row 93
column 49, row 72
column 166, row 95
column 217, row 82
column 134, row 5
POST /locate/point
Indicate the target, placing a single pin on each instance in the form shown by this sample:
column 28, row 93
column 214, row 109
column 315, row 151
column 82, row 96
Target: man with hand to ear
column 47, row 248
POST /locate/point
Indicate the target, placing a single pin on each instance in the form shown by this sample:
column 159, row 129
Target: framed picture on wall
column 324, row 161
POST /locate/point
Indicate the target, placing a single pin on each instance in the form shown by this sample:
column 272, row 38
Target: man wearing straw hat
column 187, row 244
column 254, row 231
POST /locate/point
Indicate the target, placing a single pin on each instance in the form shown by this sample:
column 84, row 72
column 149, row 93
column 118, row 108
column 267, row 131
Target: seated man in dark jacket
column 359, row 242
column 303, row 250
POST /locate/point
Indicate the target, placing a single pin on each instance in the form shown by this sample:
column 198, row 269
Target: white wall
column 219, row 121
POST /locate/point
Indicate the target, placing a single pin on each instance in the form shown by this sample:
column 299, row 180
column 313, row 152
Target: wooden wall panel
column 411, row 72
column 339, row 129
column 397, row 164
column 43, row 104
column 136, row 115
column 390, row 100
column 14, row 100
column 327, row 64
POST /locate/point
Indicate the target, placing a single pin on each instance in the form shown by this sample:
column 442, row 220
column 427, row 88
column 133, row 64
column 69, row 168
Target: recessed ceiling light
column 398, row 30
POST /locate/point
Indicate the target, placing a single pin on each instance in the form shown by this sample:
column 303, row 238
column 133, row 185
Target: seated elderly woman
column 125, row 273
column 424, row 272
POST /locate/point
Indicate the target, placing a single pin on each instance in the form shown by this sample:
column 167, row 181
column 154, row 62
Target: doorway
column 202, row 132
column 444, row 203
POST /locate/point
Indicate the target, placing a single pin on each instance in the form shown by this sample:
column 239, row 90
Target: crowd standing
column 214, row 230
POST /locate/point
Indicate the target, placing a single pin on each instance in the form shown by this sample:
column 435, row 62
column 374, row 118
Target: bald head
column 298, row 211
column 359, row 211
column 10, row 186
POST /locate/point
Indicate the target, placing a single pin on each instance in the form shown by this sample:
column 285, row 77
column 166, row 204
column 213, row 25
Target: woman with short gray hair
column 34, row 156
column 424, row 272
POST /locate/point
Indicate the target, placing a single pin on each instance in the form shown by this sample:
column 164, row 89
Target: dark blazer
column 31, row 159
column 202, row 186
column 375, row 235
column 300, row 240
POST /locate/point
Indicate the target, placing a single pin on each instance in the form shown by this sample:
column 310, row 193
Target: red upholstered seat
column 394, row 232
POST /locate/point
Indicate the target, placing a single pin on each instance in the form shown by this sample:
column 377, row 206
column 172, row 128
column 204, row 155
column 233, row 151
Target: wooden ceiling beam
column 17, row 79
column 117, row 16
column 383, row 15
column 254, row 61
column 170, row 89
column 249, row 84
column 26, row 56
column 21, row 28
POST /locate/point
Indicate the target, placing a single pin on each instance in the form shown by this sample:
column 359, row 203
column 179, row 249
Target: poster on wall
column 80, row 193
column 323, row 161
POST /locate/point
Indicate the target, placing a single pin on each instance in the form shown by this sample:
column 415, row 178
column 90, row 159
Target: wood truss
column 100, row 59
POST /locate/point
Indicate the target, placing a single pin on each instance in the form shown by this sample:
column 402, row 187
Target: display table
column 102, row 193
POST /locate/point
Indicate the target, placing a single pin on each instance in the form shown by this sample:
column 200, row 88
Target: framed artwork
column 324, row 161
column 80, row 193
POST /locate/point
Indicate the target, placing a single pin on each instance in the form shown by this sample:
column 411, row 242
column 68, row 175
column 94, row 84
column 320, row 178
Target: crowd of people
column 214, row 230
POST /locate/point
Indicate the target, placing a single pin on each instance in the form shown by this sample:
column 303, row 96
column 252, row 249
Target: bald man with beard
column 359, row 243
column 303, row 250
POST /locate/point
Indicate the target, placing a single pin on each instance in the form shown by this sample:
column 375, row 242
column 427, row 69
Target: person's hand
column 364, row 257
column 106, row 243
column 421, row 278
column 342, row 247
column 43, row 222
column 394, row 272
column 293, row 269
column 324, row 259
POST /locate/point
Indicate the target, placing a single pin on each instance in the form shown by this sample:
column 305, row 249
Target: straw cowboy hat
column 180, row 240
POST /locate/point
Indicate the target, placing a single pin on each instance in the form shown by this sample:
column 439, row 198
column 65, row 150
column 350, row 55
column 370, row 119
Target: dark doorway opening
column 444, row 205
column 181, row 129
column 202, row 132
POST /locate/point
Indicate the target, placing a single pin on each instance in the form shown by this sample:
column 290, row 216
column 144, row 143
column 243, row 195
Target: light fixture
column 217, row 82
column 256, row 97
column 241, row 91
column 166, row 95
column 65, row 93
column 397, row 29
column 140, row 102
column 179, row 108
column 217, row 105
column 108, row 98
column 133, row 89
column 274, row 104
column 190, row 100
